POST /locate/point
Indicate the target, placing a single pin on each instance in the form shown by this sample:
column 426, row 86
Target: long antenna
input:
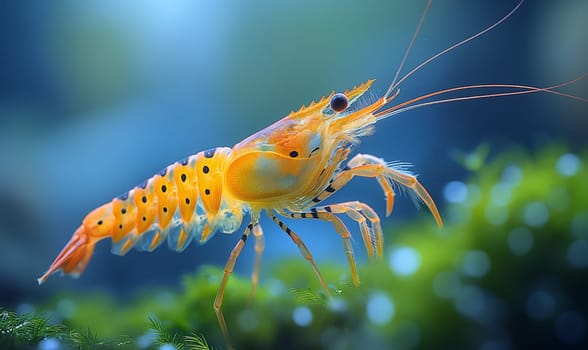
column 454, row 46
column 523, row 89
column 412, row 41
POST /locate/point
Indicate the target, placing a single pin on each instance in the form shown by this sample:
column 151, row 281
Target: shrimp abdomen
column 181, row 203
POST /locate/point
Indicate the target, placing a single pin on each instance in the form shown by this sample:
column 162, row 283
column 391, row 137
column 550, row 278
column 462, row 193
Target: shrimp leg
column 218, row 301
column 387, row 174
column 304, row 251
column 259, row 247
column 341, row 230
column 361, row 213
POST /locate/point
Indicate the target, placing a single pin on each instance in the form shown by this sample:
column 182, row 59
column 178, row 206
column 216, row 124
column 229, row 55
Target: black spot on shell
column 188, row 201
column 183, row 177
column 163, row 188
column 207, row 191
column 100, row 222
column 293, row 154
column 209, row 153
column 144, row 199
column 165, row 209
column 120, row 226
column 144, row 218
column 123, row 210
column 205, row 169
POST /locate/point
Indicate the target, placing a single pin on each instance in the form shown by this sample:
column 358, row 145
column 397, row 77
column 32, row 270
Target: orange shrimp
column 287, row 169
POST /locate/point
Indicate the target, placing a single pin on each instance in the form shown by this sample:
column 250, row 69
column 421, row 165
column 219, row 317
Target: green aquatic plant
column 21, row 330
column 508, row 270
column 196, row 342
column 165, row 336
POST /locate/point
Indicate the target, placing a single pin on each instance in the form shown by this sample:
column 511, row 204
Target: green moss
column 474, row 282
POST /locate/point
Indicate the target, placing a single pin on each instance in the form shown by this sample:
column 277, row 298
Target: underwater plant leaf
column 196, row 341
column 19, row 330
column 307, row 296
column 164, row 336
column 89, row 340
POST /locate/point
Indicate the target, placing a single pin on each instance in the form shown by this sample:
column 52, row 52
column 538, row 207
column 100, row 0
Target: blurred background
column 95, row 97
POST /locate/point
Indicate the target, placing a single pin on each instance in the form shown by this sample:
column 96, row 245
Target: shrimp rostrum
column 285, row 170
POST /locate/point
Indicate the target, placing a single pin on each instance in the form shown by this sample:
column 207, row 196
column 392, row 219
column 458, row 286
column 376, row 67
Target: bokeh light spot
column 276, row 287
column 446, row 284
column 50, row 344
column 455, row 192
column 540, row 305
column 248, row 320
column 558, row 199
column 302, row 316
column 578, row 254
column 404, row 261
column 535, row 214
column 476, row 263
column 474, row 194
column 579, row 225
column 166, row 300
column 146, row 340
column 66, row 308
column 568, row 164
column 458, row 214
column 167, row 347
column 337, row 304
column 520, row 241
column 25, row 308
column 470, row 301
column 512, row 174
column 380, row 308
column 501, row 194
column 496, row 215
column 570, row 327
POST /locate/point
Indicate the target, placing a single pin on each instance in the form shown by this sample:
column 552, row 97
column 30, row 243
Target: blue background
column 95, row 97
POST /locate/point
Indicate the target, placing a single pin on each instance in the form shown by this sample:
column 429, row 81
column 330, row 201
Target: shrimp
column 286, row 170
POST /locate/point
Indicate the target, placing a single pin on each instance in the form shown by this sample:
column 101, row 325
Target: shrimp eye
column 339, row 102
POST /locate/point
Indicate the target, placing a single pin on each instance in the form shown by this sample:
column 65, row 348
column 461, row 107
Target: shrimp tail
column 74, row 257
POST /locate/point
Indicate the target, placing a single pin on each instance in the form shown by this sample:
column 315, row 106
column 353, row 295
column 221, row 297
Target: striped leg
column 359, row 212
column 387, row 174
column 341, row 230
column 218, row 301
column 355, row 167
column 259, row 246
column 304, row 250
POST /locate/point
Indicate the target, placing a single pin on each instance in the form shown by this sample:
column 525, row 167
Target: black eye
column 339, row 102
